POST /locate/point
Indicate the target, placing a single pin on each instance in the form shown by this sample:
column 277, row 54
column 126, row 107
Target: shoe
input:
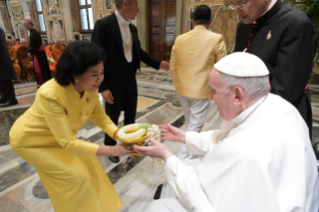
column 158, row 192
column 115, row 159
column 10, row 103
column 3, row 100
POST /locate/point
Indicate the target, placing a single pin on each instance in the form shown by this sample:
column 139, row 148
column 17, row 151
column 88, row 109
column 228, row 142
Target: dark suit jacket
column 6, row 70
column 288, row 53
column 107, row 34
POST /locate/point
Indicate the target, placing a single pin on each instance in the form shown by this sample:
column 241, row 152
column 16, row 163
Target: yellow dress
column 45, row 136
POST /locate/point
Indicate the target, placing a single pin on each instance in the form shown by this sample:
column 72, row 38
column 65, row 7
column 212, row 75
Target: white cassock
column 264, row 164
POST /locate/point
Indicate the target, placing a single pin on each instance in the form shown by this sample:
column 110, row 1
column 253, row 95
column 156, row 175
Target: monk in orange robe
column 63, row 43
column 13, row 55
column 52, row 63
column 57, row 50
column 51, row 43
column 25, row 62
column 14, row 43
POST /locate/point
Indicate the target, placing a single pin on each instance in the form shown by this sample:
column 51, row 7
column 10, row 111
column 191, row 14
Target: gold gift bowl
column 139, row 141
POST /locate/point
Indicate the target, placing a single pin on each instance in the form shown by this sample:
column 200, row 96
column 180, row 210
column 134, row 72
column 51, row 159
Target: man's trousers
column 195, row 112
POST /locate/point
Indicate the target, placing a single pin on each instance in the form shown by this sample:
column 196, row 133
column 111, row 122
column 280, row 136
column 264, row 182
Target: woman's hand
column 123, row 149
column 117, row 150
column 168, row 132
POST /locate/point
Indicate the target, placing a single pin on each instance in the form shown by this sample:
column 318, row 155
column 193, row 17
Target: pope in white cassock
column 261, row 160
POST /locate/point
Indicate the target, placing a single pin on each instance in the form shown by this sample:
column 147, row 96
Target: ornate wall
column 224, row 20
column 19, row 10
column 61, row 18
column 103, row 8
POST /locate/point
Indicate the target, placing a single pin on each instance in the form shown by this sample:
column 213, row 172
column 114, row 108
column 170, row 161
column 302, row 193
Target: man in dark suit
column 7, row 74
column 282, row 37
column 119, row 38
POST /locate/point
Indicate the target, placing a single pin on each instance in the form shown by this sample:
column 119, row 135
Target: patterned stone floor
column 134, row 178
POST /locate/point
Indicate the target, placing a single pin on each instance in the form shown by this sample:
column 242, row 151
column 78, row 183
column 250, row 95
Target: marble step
column 26, row 88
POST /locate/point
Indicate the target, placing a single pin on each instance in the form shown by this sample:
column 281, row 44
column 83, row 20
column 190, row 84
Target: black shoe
column 10, row 103
column 115, row 159
column 158, row 192
column 3, row 100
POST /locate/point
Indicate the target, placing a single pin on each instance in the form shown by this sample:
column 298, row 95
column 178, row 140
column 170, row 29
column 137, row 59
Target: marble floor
column 134, row 178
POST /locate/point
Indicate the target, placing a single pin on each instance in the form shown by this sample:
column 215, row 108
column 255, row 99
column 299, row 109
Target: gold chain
column 129, row 46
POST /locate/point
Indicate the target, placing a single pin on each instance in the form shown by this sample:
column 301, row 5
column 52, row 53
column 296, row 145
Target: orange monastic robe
column 13, row 55
column 49, row 54
column 26, row 63
column 17, row 46
column 57, row 52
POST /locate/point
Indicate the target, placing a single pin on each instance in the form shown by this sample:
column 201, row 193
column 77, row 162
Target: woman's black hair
column 76, row 59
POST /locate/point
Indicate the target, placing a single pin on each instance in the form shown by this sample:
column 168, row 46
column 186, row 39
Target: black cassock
column 283, row 39
column 40, row 61
column 7, row 73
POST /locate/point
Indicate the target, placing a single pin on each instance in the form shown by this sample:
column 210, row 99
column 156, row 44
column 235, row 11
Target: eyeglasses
column 239, row 6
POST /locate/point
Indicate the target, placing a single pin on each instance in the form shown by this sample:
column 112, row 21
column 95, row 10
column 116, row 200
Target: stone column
column 141, row 23
column 67, row 20
column 180, row 9
column 46, row 20
column 93, row 5
column 1, row 23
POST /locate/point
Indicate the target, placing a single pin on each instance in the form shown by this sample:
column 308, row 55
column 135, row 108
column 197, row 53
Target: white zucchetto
column 241, row 64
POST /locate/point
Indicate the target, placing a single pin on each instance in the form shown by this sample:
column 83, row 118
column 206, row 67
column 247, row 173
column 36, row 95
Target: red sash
column 37, row 67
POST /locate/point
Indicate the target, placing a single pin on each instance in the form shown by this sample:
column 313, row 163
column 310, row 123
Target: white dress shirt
column 126, row 35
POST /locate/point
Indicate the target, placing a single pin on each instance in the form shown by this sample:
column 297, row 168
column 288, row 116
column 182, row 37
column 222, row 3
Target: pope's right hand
column 108, row 97
column 168, row 132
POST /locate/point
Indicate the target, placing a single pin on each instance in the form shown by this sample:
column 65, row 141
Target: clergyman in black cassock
column 119, row 75
column 36, row 49
column 7, row 74
column 283, row 39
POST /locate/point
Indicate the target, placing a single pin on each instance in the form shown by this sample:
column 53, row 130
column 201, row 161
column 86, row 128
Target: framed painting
column 53, row 7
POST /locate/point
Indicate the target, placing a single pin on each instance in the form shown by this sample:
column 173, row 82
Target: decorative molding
column 110, row 5
column 57, row 29
column 17, row 11
column 53, row 7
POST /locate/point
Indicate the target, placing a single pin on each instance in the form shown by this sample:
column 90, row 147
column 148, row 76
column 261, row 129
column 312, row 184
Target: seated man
column 57, row 50
column 63, row 43
column 51, row 43
column 52, row 63
column 260, row 160
column 14, row 43
column 25, row 62
column 13, row 55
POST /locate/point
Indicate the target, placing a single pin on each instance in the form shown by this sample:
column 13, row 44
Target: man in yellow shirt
column 193, row 57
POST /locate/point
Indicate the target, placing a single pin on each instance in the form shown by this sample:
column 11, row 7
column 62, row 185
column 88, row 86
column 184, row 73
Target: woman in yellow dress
column 45, row 135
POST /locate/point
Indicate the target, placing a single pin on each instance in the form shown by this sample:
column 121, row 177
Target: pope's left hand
column 164, row 65
column 158, row 150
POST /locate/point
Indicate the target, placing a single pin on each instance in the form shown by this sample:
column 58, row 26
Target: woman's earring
column 76, row 80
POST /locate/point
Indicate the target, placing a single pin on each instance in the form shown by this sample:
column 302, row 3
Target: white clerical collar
column 244, row 115
column 273, row 2
column 121, row 20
